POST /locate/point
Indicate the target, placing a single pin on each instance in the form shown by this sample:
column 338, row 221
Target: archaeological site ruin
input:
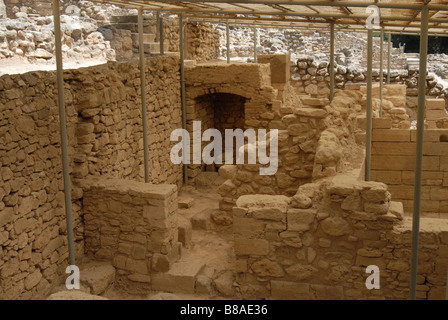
column 240, row 150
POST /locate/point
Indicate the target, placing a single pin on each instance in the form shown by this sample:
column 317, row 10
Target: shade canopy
column 395, row 16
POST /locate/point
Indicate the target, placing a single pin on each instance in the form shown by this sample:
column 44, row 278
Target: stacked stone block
column 435, row 112
column 318, row 244
column 393, row 162
column 105, row 138
column 312, row 77
column 131, row 224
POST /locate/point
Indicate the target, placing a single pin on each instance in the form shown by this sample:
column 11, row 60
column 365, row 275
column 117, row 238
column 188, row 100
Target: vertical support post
column 228, row 41
column 419, row 151
column 381, row 71
column 182, row 83
column 63, row 130
column 143, row 94
column 446, row 294
column 157, row 26
column 161, row 37
column 255, row 45
column 369, row 105
column 185, row 40
column 389, row 49
column 332, row 75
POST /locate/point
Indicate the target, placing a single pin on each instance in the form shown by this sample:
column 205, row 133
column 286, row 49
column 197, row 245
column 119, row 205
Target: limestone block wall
column 105, row 138
column 393, row 162
column 107, row 104
column 33, row 245
column 131, row 224
column 202, row 39
column 318, row 244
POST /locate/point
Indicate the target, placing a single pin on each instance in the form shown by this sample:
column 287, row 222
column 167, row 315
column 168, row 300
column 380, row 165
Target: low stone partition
column 131, row 224
column 319, row 243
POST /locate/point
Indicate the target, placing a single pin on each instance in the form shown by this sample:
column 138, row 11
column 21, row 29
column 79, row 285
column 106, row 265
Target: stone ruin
column 307, row 232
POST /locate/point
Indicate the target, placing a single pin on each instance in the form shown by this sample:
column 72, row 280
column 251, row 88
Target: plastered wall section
column 393, row 162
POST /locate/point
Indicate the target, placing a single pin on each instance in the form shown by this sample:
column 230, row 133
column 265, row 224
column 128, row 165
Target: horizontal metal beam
column 206, row 9
column 302, row 14
column 327, row 22
column 348, row 4
column 293, row 25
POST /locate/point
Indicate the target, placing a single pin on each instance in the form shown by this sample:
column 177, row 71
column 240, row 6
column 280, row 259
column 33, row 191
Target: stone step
column 97, row 276
column 184, row 231
column 133, row 27
column 74, row 295
column 185, row 202
column 315, row 102
column 147, row 37
column 182, row 276
column 202, row 220
column 154, row 47
column 124, row 19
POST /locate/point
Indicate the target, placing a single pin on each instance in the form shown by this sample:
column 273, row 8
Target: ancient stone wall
column 312, row 77
column 42, row 7
column 107, row 103
column 207, row 85
column 131, row 224
column 318, row 244
column 105, row 138
column 312, row 138
column 393, row 162
column 201, row 39
column 3, row 13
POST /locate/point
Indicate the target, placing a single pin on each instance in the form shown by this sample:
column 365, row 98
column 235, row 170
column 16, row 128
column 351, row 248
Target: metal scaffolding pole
column 446, row 284
column 369, row 105
column 381, row 72
column 143, row 93
column 63, row 129
column 228, row 41
column 419, row 152
column 255, row 45
column 157, row 27
column 161, row 37
column 332, row 75
column 389, row 49
column 182, row 83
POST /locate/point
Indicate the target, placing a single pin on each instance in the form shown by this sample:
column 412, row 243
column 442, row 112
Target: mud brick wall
column 393, row 162
column 131, row 224
column 318, row 244
column 105, row 138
